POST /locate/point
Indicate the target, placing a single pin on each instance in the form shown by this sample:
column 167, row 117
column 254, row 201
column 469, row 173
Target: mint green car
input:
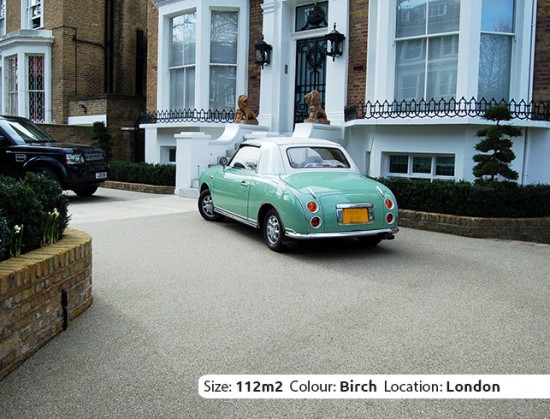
column 298, row 189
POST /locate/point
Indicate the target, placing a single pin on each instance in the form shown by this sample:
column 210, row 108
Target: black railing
column 187, row 115
column 539, row 111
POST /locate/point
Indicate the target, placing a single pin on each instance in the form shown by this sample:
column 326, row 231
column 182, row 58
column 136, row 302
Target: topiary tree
column 497, row 149
column 101, row 138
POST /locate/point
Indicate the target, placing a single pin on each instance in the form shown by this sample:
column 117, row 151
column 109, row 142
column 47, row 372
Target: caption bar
column 375, row 386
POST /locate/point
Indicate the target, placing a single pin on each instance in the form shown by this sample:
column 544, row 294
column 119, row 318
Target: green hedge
column 27, row 202
column 151, row 174
column 490, row 199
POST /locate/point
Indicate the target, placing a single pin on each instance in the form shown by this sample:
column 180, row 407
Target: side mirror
column 223, row 161
column 3, row 141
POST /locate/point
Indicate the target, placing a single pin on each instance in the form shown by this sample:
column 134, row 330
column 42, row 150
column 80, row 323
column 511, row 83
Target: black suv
column 24, row 147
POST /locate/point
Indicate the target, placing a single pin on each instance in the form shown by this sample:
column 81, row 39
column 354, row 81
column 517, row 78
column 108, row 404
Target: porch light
column 335, row 43
column 263, row 52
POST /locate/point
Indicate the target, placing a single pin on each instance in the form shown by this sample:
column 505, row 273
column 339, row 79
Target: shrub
column 51, row 196
column 151, row 174
column 102, row 138
column 4, row 238
column 27, row 202
column 483, row 199
column 497, row 154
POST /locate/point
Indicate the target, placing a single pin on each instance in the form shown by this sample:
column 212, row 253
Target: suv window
column 25, row 132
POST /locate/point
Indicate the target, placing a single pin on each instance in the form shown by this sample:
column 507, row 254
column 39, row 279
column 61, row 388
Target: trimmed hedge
column 488, row 199
column 27, row 202
column 150, row 174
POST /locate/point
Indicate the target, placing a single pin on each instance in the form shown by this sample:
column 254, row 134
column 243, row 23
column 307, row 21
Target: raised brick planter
column 40, row 293
column 139, row 187
column 525, row 229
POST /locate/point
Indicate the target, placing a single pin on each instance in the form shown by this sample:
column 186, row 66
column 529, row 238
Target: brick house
column 74, row 63
column 405, row 97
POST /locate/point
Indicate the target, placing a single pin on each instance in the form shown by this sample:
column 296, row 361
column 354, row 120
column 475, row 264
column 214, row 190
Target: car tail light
column 312, row 206
column 390, row 218
column 315, row 222
column 389, row 203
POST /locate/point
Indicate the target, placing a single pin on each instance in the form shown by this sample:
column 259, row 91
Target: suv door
column 7, row 158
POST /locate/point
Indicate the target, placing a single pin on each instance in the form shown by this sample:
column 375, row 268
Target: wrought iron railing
column 187, row 115
column 539, row 111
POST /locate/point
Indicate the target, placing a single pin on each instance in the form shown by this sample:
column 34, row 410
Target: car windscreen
column 305, row 157
column 25, row 132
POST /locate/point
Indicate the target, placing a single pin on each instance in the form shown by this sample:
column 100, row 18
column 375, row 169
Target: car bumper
column 386, row 232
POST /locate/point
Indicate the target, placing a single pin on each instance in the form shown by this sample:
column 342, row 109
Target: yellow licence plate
column 355, row 216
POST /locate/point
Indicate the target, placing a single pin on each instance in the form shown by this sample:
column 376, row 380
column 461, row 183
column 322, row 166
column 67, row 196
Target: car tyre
column 48, row 172
column 369, row 241
column 274, row 232
column 87, row 191
column 206, row 207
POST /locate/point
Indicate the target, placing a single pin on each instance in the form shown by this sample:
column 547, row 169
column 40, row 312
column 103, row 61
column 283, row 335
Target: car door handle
column 244, row 183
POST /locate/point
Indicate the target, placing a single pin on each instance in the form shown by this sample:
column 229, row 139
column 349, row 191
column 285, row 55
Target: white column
column 270, row 79
column 152, row 149
column 191, row 160
column 337, row 70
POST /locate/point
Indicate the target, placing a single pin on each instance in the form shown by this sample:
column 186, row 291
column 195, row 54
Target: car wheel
column 274, row 232
column 369, row 241
column 48, row 172
column 206, row 207
column 88, row 191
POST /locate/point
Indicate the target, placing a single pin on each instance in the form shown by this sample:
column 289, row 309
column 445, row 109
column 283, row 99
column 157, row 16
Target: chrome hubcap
column 273, row 229
column 207, row 205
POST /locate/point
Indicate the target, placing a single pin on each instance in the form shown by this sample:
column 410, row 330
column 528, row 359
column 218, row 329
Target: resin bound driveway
column 176, row 298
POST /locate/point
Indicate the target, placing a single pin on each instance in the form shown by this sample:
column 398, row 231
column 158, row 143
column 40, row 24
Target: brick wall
column 72, row 134
column 541, row 81
column 357, row 44
column 152, row 56
column 524, row 229
column 31, row 287
column 254, row 70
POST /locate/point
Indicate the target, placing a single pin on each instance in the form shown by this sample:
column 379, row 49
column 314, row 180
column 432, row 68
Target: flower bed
column 40, row 293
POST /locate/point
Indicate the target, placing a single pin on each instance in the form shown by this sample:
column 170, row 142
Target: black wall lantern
column 335, row 43
column 263, row 52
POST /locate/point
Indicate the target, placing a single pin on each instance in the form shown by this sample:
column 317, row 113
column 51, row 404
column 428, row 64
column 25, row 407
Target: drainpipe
column 109, row 27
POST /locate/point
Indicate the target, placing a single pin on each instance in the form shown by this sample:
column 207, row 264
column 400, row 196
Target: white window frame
column 382, row 49
column 202, row 61
column 185, row 67
column 38, row 94
column 20, row 47
column 410, row 166
column 32, row 11
column 221, row 65
column 2, row 17
column 11, row 100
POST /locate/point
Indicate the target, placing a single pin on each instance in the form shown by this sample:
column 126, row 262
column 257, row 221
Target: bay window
column 223, row 59
column 202, row 51
column 182, row 61
column 426, row 49
column 36, row 88
column 450, row 49
column 495, row 56
column 12, row 91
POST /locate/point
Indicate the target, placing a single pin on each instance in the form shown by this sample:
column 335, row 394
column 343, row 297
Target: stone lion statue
column 316, row 114
column 244, row 114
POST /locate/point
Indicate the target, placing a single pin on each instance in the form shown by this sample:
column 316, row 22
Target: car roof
column 290, row 141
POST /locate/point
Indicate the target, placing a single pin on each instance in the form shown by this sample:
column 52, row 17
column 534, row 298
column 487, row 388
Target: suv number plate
column 101, row 175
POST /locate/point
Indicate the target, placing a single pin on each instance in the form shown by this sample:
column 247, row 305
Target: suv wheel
column 48, row 172
column 87, row 191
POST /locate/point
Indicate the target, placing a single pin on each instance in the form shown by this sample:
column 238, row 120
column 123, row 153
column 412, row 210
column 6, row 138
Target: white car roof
column 290, row 141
